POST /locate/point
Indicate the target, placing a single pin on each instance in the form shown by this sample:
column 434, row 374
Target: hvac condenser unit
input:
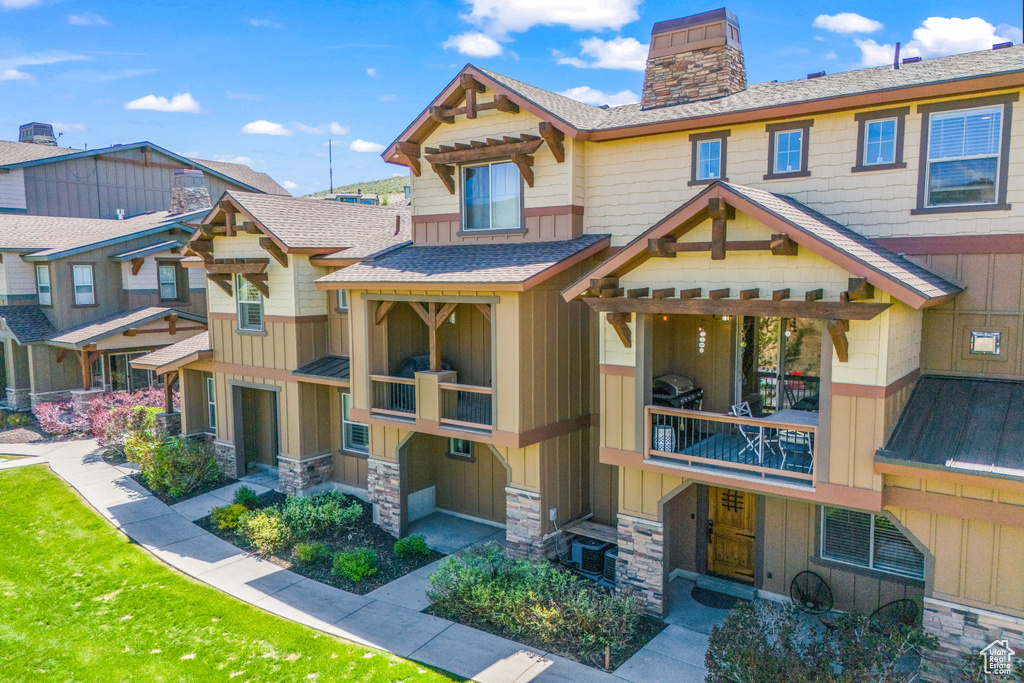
column 588, row 557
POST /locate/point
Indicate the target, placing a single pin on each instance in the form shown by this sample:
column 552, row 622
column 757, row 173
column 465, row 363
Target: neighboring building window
column 708, row 157
column 460, row 448
column 43, row 285
column 211, row 405
column 880, row 139
column 85, row 292
column 491, row 197
column 787, row 149
column 250, row 305
column 869, row 541
column 168, row 277
column 356, row 435
column 343, row 300
column 963, row 157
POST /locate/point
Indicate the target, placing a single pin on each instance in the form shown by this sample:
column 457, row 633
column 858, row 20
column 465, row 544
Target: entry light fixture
column 726, row 318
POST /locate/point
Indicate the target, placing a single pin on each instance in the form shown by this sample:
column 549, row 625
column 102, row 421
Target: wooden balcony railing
column 794, row 389
column 764, row 447
column 465, row 405
column 393, row 395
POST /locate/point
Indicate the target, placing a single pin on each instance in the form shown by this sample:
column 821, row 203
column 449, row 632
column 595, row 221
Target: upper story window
column 43, row 286
column 343, row 301
column 964, row 154
column 167, row 274
column 708, row 157
column 880, row 139
column 491, row 197
column 85, row 291
column 880, row 143
column 250, row 305
column 211, row 405
column 869, row 541
column 787, row 149
column 356, row 435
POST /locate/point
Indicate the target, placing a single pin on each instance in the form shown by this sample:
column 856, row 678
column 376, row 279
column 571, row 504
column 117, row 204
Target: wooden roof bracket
column 408, row 153
column 172, row 323
column 554, row 138
column 383, row 309
column 446, row 172
column 137, row 264
column 203, row 250
column 470, row 85
column 524, row 162
column 222, row 280
column 620, row 323
column 268, row 245
column 837, row 329
column 720, row 213
column 259, row 281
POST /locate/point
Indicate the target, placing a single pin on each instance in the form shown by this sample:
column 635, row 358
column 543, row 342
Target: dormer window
column 491, row 197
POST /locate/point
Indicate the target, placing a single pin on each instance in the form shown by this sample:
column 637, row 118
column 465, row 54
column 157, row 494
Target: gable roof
column 244, row 174
column 27, row 323
column 864, row 88
column 108, row 326
column 176, row 355
column 499, row 266
column 855, row 253
column 17, row 152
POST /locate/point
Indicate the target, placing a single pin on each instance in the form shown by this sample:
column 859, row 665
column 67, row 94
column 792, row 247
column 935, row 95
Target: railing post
column 428, row 394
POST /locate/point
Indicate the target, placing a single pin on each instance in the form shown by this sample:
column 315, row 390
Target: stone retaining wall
column 167, row 424
column 225, row 454
column 641, row 562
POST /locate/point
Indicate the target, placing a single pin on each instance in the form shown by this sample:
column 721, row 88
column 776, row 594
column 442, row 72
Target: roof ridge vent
column 816, row 74
column 911, row 60
column 1000, row 46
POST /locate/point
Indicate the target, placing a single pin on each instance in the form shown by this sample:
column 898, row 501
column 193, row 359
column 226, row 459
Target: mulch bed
column 31, row 433
column 365, row 534
column 221, row 482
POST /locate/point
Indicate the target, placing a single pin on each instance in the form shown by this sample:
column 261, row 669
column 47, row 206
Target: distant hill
column 393, row 185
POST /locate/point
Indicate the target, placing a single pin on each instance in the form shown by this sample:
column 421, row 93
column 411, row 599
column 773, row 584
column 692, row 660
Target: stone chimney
column 188, row 192
column 694, row 58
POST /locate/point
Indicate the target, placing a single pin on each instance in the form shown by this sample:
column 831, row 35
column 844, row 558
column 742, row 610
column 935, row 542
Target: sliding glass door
column 780, row 363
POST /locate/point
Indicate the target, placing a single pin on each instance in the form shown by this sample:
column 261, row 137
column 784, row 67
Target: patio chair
column 796, row 450
column 754, row 436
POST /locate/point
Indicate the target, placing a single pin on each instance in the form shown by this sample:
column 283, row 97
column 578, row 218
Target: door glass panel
column 119, row 375
column 780, row 364
column 802, row 363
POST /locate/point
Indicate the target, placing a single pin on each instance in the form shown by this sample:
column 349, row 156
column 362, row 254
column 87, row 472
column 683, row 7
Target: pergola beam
column 827, row 310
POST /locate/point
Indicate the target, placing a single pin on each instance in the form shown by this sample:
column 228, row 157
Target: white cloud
column 474, row 44
column 242, row 96
column 289, row 185
column 14, row 75
column 371, row 72
column 17, row 4
column 40, row 58
column 264, row 127
column 364, row 146
column 245, row 161
column 499, row 17
column 387, row 97
column 588, row 95
column 831, row 55
column 69, row 127
column 847, row 22
column 265, row 23
column 334, row 128
column 617, row 53
column 87, row 19
column 939, row 36
column 182, row 102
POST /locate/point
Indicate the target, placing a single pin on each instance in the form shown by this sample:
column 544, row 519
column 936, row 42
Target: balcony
column 393, row 396
column 434, row 397
column 464, row 405
column 779, row 447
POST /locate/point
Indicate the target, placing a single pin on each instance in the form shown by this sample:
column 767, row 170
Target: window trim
column 805, row 143
column 346, row 397
column 457, row 455
column 463, row 231
column 863, row 119
column 49, row 284
column 695, row 140
column 211, row 405
column 926, row 110
column 238, row 308
column 338, row 308
column 178, row 272
column 859, row 568
column 74, row 289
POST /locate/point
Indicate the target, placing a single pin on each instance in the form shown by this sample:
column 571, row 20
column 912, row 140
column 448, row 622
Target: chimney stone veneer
column 188, row 191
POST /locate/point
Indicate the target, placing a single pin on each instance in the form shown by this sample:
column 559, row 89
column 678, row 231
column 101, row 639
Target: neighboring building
column 354, row 198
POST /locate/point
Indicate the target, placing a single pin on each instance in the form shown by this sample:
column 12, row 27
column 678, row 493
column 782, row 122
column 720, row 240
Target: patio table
column 802, row 418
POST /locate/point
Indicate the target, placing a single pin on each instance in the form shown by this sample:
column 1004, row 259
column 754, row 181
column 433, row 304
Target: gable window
column 880, row 139
column 167, row 274
column 43, row 285
column 250, row 305
column 707, row 155
column 355, row 435
column 491, row 197
column 342, row 301
column 85, row 292
column 869, row 541
column 787, row 149
column 211, row 405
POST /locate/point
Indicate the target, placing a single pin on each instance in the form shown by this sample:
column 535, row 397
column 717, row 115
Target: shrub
column 310, row 553
column 247, row 497
column 535, row 602
column 113, row 426
column 413, row 546
column 15, row 420
column 58, row 419
column 355, row 564
column 266, row 530
column 175, row 467
column 321, row 514
column 227, row 517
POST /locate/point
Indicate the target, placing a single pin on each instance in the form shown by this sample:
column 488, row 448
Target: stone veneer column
column 166, row 425
column 641, row 562
column 384, row 488
column 962, row 631
column 296, row 476
column 81, row 399
column 225, row 454
column 19, row 399
column 523, row 523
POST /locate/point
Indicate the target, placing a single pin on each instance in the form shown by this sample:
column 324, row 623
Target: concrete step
column 739, row 590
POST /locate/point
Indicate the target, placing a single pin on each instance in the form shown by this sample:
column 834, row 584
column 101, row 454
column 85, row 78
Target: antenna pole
column 330, row 164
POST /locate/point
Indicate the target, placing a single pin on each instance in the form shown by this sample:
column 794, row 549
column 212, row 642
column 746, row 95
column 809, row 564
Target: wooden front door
column 732, row 521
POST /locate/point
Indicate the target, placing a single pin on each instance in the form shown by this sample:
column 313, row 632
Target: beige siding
column 194, row 406
column 285, row 346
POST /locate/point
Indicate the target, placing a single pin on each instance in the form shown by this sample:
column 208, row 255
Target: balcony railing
column 763, row 447
column 393, row 395
column 794, row 388
column 464, row 405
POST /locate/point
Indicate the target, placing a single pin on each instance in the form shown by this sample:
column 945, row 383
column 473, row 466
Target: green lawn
column 7, row 457
column 79, row 602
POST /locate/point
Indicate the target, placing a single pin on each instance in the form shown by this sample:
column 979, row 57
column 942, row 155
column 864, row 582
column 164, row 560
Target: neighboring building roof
column 147, row 250
column 968, row 424
column 516, row 266
column 176, row 355
column 45, row 238
column 27, row 323
column 331, row 368
column 850, row 250
column 316, row 224
column 17, row 152
column 115, row 324
column 242, row 173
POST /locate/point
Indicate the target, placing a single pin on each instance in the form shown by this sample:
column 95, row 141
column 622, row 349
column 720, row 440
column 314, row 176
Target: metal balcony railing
column 393, row 395
column 465, row 405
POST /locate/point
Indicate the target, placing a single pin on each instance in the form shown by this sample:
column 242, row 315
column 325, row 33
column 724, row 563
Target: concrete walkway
column 382, row 622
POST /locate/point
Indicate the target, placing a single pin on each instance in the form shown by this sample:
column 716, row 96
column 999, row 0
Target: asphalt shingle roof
column 244, row 174
column 51, row 235
column 464, row 263
column 175, row 352
column 17, row 152
column 27, row 323
column 112, row 324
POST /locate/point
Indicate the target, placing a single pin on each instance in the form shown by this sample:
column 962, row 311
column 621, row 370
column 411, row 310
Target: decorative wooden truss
column 222, row 271
column 433, row 315
column 721, row 213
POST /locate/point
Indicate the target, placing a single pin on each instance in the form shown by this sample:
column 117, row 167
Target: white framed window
column 250, row 304
column 167, row 275
column 789, row 151
column 343, row 300
column 460, row 448
column 355, row 435
column 97, row 374
column 211, row 405
column 85, row 291
column 879, row 142
column 43, row 286
column 709, row 159
column 963, row 157
column 491, row 197
column 870, row 541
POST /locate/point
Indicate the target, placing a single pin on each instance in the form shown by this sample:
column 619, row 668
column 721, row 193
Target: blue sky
column 268, row 83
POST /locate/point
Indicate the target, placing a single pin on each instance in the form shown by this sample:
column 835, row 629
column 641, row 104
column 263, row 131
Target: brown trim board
column 563, row 210
column 618, row 370
column 287, row 319
column 953, row 506
column 867, row 391
column 954, row 244
column 495, row 437
column 947, row 474
column 437, row 218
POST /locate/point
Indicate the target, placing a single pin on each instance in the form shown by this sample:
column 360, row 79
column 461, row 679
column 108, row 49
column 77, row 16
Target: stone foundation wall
column 50, row 397
column 963, row 631
column 81, row 398
column 384, row 488
column 19, row 399
column 524, row 524
column 225, row 454
column 298, row 475
column 166, row 425
column 642, row 561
